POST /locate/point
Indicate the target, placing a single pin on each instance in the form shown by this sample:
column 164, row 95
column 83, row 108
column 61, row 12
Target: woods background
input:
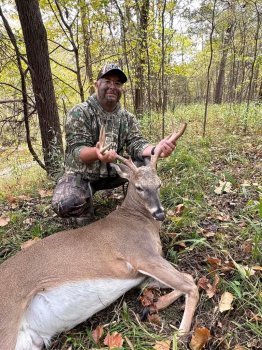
column 174, row 52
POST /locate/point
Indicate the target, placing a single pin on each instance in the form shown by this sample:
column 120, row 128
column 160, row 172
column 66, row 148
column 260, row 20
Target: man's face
column 109, row 89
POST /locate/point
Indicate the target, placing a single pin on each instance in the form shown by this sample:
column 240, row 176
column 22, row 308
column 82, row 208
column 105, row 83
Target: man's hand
column 167, row 147
column 107, row 156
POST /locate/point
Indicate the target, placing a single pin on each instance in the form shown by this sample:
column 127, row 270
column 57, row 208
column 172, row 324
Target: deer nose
column 159, row 215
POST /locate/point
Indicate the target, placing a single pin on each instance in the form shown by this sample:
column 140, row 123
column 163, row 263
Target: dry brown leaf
column 223, row 187
column 4, row 220
column 147, row 297
column 205, row 284
column 214, row 261
column 212, row 291
column 256, row 268
column 179, row 209
column 238, row 347
column 199, row 338
column 45, row 193
column 30, row 242
column 11, row 199
column 162, row 345
column 29, row 221
column 225, row 302
column 228, row 266
column 154, row 318
column 223, row 217
column 254, row 317
column 247, row 247
column 97, row 333
column 209, row 234
column 114, row 340
column 23, row 197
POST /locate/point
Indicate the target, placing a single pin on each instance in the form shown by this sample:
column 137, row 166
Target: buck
column 64, row 279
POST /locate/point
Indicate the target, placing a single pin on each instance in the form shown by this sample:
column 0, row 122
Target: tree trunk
column 143, row 12
column 86, row 37
column 209, row 67
column 38, row 59
column 222, row 67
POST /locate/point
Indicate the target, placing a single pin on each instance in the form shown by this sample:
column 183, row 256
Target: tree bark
column 222, row 66
column 38, row 59
column 86, row 37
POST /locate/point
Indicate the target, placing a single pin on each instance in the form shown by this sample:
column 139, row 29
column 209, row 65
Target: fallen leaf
column 162, row 345
column 223, row 217
column 227, row 266
column 30, row 242
column 199, row 338
column 147, row 297
column 114, row 340
column 4, row 220
column 155, row 319
column 214, row 261
column 212, row 291
column 225, row 302
column 97, row 333
column 205, row 284
column 29, row 221
column 238, row 347
column 179, row 209
column 247, row 247
column 24, row 197
column 256, row 268
column 254, row 317
column 45, row 193
column 223, row 187
column 209, row 234
column 170, row 213
column 11, row 199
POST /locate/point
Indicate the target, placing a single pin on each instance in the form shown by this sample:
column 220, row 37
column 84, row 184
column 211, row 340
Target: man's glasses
column 108, row 82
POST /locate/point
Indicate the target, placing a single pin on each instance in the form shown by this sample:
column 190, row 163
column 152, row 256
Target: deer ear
column 122, row 170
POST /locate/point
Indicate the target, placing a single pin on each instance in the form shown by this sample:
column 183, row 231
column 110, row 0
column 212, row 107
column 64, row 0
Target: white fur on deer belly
column 64, row 307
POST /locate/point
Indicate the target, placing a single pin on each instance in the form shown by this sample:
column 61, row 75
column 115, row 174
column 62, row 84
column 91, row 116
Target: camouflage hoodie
column 82, row 129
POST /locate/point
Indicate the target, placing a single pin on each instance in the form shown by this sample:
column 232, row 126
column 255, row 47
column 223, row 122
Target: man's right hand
column 107, row 157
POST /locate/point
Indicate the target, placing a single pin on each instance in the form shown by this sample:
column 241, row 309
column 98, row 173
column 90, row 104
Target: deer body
column 47, row 285
column 64, row 279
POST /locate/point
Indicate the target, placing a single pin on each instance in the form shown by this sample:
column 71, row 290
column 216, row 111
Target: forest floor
column 212, row 195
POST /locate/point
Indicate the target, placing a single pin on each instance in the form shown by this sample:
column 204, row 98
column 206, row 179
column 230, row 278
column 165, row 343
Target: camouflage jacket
column 82, row 129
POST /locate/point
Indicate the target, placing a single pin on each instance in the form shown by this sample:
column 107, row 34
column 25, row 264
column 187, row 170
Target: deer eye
column 139, row 189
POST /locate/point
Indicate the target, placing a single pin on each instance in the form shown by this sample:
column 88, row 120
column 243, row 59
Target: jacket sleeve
column 78, row 130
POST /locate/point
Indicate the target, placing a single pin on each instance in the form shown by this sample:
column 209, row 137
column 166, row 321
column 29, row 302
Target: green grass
column 225, row 226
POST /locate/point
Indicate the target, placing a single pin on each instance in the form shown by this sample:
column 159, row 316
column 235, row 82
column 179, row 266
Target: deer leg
column 165, row 300
column 161, row 270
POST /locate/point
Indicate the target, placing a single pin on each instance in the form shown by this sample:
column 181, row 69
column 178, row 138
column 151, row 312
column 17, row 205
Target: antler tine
column 127, row 162
column 102, row 138
column 173, row 137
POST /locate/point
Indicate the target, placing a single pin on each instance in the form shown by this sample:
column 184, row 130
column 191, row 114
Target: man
column 87, row 170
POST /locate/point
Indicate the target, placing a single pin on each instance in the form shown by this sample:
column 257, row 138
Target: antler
column 103, row 148
column 102, row 139
column 128, row 162
column 172, row 138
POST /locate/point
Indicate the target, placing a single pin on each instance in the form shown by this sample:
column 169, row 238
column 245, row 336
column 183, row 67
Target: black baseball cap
column 112, row 68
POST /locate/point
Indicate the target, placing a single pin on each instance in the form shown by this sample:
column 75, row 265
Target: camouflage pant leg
column 72, row 196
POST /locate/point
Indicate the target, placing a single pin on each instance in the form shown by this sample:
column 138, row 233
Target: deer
column 65, row 278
